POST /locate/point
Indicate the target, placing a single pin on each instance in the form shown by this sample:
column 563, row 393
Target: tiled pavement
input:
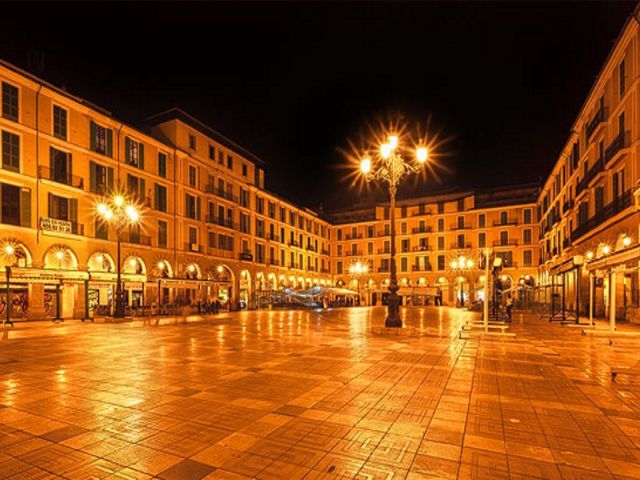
column 316, row 395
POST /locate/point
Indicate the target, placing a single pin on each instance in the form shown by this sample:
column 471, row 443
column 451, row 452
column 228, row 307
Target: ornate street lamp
column 120, row 213
column 462, row 264
column 388, row 165
column 359, row 270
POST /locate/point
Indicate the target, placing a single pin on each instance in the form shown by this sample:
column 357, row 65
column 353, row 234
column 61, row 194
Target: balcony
column 273, row 262
column 616, row 206
column 508, row 223
column 311, row 248
column 459, row 246
column 383, row 233
column 595, row 169
column 221, row 221
column 246, row 256
column 47, row 173
column 221, row 252
column 353, row 237
column 384, row 250
column 351, row 253
column 421, row 248
column 325, row 270
column 274, row 238
column 509, row 243
column 568, row 205
column 460, row 227
column 61, row 226
column 293, row 243
column 383, row 269
column 616, row 146
column 221, row 193
column 597, row 120
column 421, row 268
column 419, row 213
column 193, row 247
column 325, row 252
column 294, row 265
column 421, row 230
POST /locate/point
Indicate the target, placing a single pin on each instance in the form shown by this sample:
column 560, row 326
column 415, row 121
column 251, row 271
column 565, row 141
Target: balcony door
column 60, row 166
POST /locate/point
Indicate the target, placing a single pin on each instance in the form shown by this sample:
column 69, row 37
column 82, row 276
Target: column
column 79, row 300
column 35, row 309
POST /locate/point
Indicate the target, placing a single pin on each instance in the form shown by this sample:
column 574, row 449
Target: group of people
column 211, row 306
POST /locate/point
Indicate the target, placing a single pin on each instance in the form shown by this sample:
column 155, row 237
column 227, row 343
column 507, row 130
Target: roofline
column 176, row 113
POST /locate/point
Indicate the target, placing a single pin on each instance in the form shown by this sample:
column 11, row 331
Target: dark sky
column 294, row 81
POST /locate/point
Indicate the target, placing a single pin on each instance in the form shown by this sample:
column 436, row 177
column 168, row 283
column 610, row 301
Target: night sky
column 293, row 82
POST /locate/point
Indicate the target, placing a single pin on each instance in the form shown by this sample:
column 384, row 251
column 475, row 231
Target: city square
column 320, row 240
column 316, row 394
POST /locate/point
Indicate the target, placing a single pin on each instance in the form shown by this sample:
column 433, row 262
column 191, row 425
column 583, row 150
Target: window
column 599, row 198
column 440, row 207
column 192, row 142
column 504, row 237
column 504, row 218
column 482, row 240
column 441, row 224
column 134, row 153
column 526, row 258
column 461, row 205
column 245, row 223
column 244, row 198
column 162, row 234
column 404, row 245
column 193, row 236
column 527, row 236
column 339, row 267
column 60, row 166
column 101, row 139
column 259, row 253
column 212, row 239
column 101, row 229
column 193, row 176
column 403, row 264
column 220, row 157
column 212, row 152
column 230, row 162
column 622, row 79
column 272, row 210
column 260, row 205
column 162, row 164
column 440, row 243
column 460, row 222
column 160, row 198
column 59, row 122
column 136, row 187
column 527, row 215
column 461, row 242
column 9, row 102
column 10, row 151
column 16, row 205
column 507, row 258
column 440, row 262
column 482, row 220
column 62, row 208
column 192, row 206
column 244, row 169
column 100, row 178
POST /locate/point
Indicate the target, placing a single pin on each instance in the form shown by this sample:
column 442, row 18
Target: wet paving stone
column 317, row 395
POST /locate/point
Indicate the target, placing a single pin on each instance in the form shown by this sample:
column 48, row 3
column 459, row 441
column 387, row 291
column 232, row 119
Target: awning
column 615, row 259
column 567, row 265
column 426, row 291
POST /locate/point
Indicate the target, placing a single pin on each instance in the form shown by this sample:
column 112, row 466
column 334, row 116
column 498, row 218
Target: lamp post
column 119, row 212
column 389, row 166
column 459, row 265
column 358, row 270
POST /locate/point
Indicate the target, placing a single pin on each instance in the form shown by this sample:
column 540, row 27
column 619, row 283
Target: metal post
column 591, row 285
column 564, row 294
column 57, row 301
column 393, row 310
column 612, row 301
column 486, row 291
column 119, row 311
column 159, row 303
column 578, row 294
column 86, row 299
column 8, row 298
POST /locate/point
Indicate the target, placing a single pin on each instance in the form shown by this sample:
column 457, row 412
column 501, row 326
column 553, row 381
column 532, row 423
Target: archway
column 101, row 262
column 443, row 291
column 244, row 295
column 60, row 257
column 224, row 286
column 15, row 254
column 134, row 266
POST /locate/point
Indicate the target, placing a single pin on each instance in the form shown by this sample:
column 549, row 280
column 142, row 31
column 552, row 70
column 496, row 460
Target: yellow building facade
column 433, row 234
column 588, row 205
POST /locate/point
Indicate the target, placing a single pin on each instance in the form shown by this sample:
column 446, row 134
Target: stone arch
column 134, row 265
column 244, row 289
column 192, row 271
column 60, row 257
column 15, row 253
column 100, row 261
column 162, row 268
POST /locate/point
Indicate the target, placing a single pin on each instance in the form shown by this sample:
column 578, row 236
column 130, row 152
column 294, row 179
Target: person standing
column 509, row 305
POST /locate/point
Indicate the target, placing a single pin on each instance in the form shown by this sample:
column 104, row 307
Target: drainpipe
column 37, row 192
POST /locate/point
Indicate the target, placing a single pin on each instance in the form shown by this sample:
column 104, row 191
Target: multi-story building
column 589, row 222
column 432, row 234
column 208, row 227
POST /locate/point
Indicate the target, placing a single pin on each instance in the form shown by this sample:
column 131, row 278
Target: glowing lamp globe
column 365, row 165
column 422, row 154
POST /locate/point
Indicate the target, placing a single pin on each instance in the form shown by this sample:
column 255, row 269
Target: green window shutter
column 186, row 204
column 73, row 209
column 141, row 154
column 109, row 142
column 50, row 204
column 156, row 196
column 70, row 166
column 127, row 149
column 25, row 207
column 143, row 190
column 92, row 133
column 110, row 179
column 92, row 176
column 197, row 208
